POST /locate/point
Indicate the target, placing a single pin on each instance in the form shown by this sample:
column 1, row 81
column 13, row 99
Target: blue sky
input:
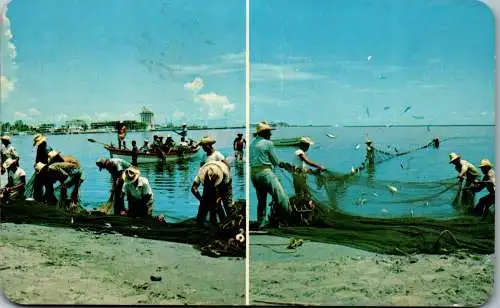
column 103, row 60
column 328, row 61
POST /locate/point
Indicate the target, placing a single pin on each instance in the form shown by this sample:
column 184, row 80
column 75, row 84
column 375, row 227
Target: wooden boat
column 286, row 142
column 152, row 157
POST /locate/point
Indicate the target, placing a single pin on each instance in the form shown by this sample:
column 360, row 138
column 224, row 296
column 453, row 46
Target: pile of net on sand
column 318, row 216
column 405, row 235
column 216, row 242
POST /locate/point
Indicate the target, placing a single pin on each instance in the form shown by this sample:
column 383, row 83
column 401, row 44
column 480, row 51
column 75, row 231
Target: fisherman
column 301, row 161
column 8, row 150
column 122, row 132
column 169, row 142
column 370, row 154
column 183, row 132
column 217, row 192
column 145, row 147
column 435, row 142
column 68, row 173
column 239, row 145
column 135, row 153
column 42, row 151
column 16, row 180
column 207, row 144
column 488, row 182
column 262, row 160
column 116, row 167
column 138, row 192
column 466, row 172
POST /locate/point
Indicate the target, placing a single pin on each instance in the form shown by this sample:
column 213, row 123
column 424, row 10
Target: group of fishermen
column 263, row 159
column 51, row 166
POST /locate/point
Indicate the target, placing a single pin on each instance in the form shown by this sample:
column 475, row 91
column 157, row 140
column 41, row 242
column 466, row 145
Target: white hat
column 262, row 126
column 131, row 174
column 39, row 166
column 52, row 154
column 207, row 140
column 453, row 156
column 38, row 139
column 214, row 171
column 8, row 163
column 485, row 163
column 306, row 140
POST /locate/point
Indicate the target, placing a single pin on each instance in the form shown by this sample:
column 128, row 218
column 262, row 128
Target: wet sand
column 46, row 265
column 325, row 274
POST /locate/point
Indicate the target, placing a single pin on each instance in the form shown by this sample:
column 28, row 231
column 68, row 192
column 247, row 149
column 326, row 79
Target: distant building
column 147, row 117
column 76, row 123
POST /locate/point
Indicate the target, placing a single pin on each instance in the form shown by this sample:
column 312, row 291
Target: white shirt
column 215, row 156
column 16, row 176
column 3, row 179
column 137, row 192
column 298, row 162
column 120, row 164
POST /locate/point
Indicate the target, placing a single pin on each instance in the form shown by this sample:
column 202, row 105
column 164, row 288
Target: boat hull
column 288, row 142
column 143, row 158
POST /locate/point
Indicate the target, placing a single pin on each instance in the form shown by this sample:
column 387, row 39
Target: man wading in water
column 488, row 182
column 262, row 159
column 116, row 167
column 239, row 145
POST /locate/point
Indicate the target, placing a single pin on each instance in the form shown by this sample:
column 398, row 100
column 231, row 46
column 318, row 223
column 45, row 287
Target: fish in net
column 319, row 215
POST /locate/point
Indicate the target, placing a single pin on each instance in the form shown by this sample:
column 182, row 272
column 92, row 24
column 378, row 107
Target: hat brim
column 452, row 160
column 128, row 180
column 37, row 143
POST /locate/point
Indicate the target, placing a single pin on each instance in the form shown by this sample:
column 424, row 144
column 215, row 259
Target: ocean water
column 339, row 154
column 170, row 182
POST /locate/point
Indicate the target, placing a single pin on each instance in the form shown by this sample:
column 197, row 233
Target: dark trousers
column 215, row 201
column 139, row 208
column 484, row 204
column 39, row 184
column 118, row 201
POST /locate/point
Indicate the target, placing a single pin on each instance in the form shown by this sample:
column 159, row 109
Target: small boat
column 152, row 157
column 287, row 142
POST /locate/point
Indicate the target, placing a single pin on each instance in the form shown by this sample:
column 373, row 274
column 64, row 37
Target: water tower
column 147, row 117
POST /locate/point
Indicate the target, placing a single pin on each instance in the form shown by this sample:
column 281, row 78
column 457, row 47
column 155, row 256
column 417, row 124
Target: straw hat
column 368, row 141
column 169, row 136
column 52, row 155
column 485, row 163
column 38, row 139
column 207, row 140
column 262, row 126
column 6, row 138
column 39, row 166
column 131, row 175
column 212, row 171
column 306, row 140
column 100, row 163
column 8, row 163
column 453, row 156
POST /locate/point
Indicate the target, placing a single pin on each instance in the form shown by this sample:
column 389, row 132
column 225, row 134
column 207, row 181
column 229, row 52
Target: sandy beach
column 326, row 274
column 46, row 265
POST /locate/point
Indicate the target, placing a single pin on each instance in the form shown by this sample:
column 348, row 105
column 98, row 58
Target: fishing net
column 228, row 239
column 318, row 214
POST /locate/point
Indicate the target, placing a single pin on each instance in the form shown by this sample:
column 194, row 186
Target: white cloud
column 6, row 87
column 34, row 112
column 18, row 115
column 195, row 85
column 178, row 115
column 272, row 72
column 234, row 58
column 216, row 105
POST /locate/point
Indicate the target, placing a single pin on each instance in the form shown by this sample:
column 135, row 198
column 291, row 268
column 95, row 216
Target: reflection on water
column 170, row 182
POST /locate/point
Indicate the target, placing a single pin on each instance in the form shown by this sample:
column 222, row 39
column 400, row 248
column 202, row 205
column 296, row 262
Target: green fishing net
column 317, row 213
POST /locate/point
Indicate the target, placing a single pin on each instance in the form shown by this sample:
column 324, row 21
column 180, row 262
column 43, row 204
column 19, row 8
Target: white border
column 247, row 154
